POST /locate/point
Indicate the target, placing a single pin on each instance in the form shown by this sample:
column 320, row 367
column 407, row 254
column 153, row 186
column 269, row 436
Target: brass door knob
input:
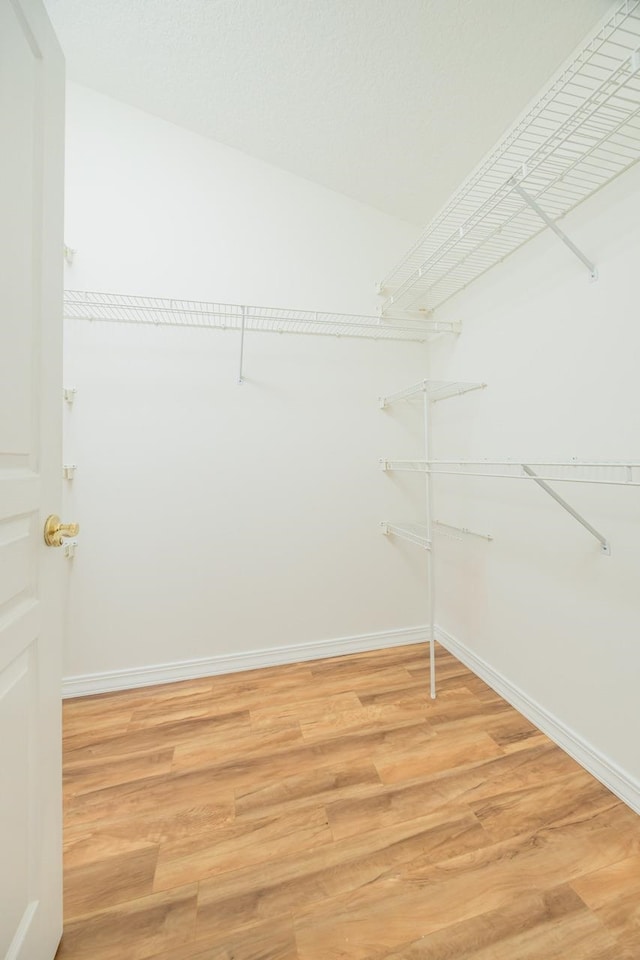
column 55, row 531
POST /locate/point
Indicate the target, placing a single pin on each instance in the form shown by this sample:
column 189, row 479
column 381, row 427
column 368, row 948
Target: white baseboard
column 110, row 681
column 604, row 769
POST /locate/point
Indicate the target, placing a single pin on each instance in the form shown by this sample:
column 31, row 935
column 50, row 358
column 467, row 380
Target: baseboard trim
column 111, row 681
column 612, row 776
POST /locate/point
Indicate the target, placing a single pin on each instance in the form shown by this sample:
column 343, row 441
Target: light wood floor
column 331, row 810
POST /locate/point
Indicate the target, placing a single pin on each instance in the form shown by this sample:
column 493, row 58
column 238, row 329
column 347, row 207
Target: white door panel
column 31, row 190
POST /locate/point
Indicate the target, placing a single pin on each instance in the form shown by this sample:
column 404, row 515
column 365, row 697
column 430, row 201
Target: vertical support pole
column 244, row 319
column 431, row 593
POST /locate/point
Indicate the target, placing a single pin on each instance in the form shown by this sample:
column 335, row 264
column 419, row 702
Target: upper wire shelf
column 121, row 308
column 434, row 389
column 579, row 135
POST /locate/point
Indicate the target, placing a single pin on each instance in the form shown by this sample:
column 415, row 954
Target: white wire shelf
column 580, row 134
column 458, row 533
column 121, row 308
column 435, row 390
column 413, row 532
column 626, row 474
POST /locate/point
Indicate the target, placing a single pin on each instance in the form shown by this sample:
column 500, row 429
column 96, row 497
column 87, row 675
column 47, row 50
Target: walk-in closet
column 327, row 393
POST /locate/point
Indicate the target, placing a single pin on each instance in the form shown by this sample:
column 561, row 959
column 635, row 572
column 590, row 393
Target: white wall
column 220, row 520
column 540, row 604
column 154, row 209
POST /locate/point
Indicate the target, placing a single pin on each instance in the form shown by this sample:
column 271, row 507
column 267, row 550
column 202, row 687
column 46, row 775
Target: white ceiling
column 392, row 102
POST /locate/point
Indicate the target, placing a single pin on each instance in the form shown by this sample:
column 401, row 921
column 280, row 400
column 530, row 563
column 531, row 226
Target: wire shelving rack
column 606, row 472
column 421, row 534
column 580, row 134
column 122, row 308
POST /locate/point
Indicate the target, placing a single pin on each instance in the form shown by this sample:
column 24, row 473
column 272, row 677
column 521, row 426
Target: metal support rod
column 244, row 318
column 593, row 271
column 604, row 543
column 431, row 591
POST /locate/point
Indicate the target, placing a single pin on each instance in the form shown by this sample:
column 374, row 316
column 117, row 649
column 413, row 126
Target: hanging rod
column 435, row 389
column 582, row 131
column 122, row 308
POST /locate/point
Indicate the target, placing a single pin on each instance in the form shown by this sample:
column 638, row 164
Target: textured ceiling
column 391, row 102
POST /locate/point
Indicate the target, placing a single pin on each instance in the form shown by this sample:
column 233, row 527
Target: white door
column 31, row 197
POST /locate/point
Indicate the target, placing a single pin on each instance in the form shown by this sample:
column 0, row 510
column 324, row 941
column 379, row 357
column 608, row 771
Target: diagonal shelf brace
column 604, row 543
column 593, row 270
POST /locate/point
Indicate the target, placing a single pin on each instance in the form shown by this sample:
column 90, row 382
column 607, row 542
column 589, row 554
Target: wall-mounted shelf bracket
column 69, row 548
column 604, row 543
column 413, row 532
column 69, row 394
column 537, row 209
column 68, row 471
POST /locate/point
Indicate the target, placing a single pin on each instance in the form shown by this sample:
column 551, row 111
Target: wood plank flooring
column 331, row 811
